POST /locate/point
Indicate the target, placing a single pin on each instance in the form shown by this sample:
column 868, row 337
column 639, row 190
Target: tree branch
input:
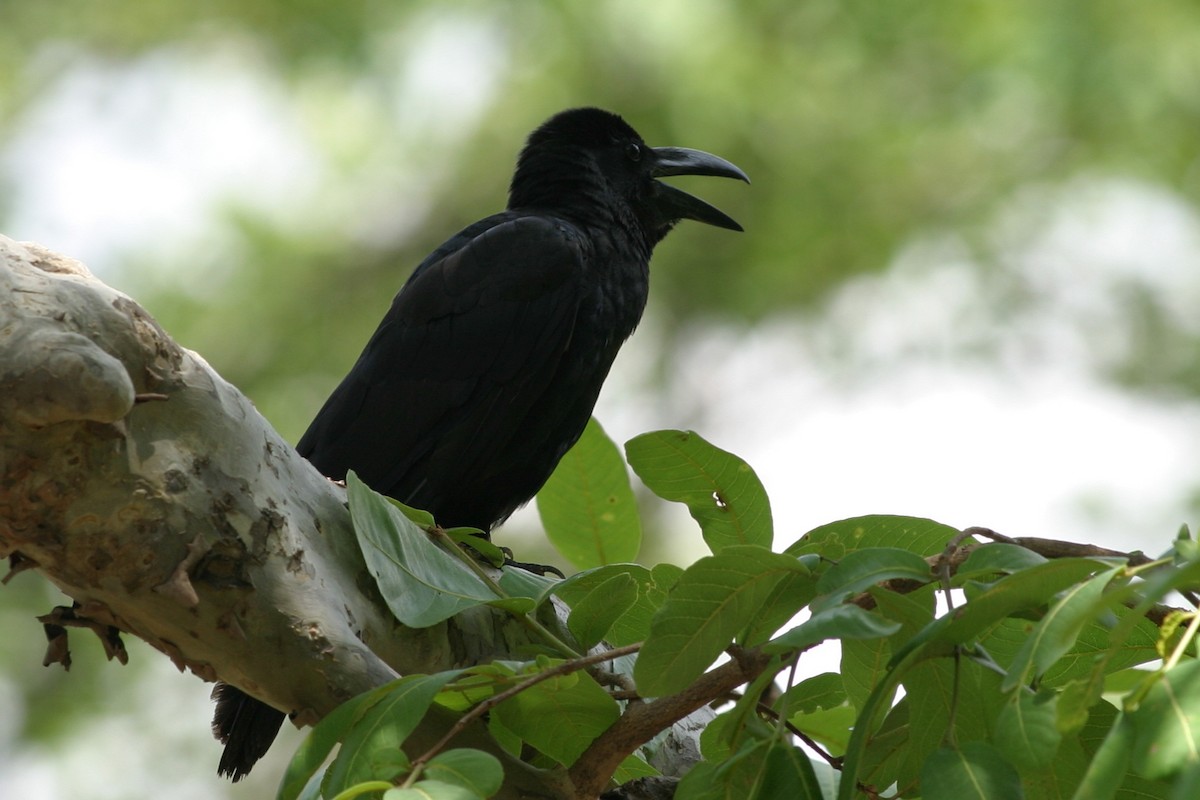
column 188, row 521
column 642, row 721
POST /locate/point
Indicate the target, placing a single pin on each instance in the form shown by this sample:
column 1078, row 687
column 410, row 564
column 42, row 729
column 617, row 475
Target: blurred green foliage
column 862, row 124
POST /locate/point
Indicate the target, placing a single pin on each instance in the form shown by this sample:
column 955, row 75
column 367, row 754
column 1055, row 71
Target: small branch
column 623, row 683
column 640, row 723
column 945, row 564
column 17, row 564
column 62, row 617
column 833, row 761
column 1053, row 548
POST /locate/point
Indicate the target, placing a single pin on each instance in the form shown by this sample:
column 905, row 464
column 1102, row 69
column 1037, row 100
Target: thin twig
column 833, row 761
column 1053, row 548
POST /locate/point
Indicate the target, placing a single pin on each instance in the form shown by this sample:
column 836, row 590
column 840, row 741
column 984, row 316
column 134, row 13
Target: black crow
column 488, row 364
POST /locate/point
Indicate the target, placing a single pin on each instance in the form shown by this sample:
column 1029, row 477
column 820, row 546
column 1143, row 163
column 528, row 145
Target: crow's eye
column 633, row 151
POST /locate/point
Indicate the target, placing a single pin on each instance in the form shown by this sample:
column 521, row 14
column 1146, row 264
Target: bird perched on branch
column 487, row 366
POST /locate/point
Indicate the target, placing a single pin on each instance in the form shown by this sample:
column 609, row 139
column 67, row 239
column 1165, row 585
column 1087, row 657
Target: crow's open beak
column 677, row 204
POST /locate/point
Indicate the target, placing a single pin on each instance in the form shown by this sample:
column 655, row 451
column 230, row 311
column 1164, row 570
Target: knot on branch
column 52, row 314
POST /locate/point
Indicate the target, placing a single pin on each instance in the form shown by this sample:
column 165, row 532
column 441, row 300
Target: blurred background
column 969, row 286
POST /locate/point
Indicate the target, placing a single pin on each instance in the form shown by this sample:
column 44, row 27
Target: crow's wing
column 445, row 386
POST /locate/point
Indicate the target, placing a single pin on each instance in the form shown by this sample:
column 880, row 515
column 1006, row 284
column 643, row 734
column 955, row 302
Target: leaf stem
column 527, row 620
column 363, row 788
column 1181, row 648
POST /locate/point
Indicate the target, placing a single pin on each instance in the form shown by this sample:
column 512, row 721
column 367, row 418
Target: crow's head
column 591, row 163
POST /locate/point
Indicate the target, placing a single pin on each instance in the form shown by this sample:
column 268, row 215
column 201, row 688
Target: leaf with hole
column 721, row 491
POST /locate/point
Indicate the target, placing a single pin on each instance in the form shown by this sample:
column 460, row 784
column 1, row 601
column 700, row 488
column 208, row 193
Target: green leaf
column 865, row 661
column 432, row 790
column 377, row 736
column 1058, row 779
column 479, row 682
column 811, row 694
column 709, row 780
column 560, row 716
column 310, row 791
column 588, row 507
column 884, row 756
column 509, row 741
column 932, row 688
column 421, row 583
column 1026, row 730
column 632, row 768
column 521, row 584
column 915, row 534
column 1187, row 785
column 475, row 770
column 422, row 519
column 478, row 541
column 788, row 773
column 861, row 569
column 733, row 778
column 593, row 616
column 322, row 739
column 975, row 771
column 1109, row 763
column 721, row 491
column 727, row 730
column 1055, row 634
column 1166, row 726
column 652, row 585
column 839, row 622
column 995, row 557
column 831, row 727
column 715, row 599
column 792, row 594
column 1074, row 701
column 914, row 610
column 763, row 769
column 1005, row 639
column 863, row 666
column 922, row 652
column 1022, row 590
